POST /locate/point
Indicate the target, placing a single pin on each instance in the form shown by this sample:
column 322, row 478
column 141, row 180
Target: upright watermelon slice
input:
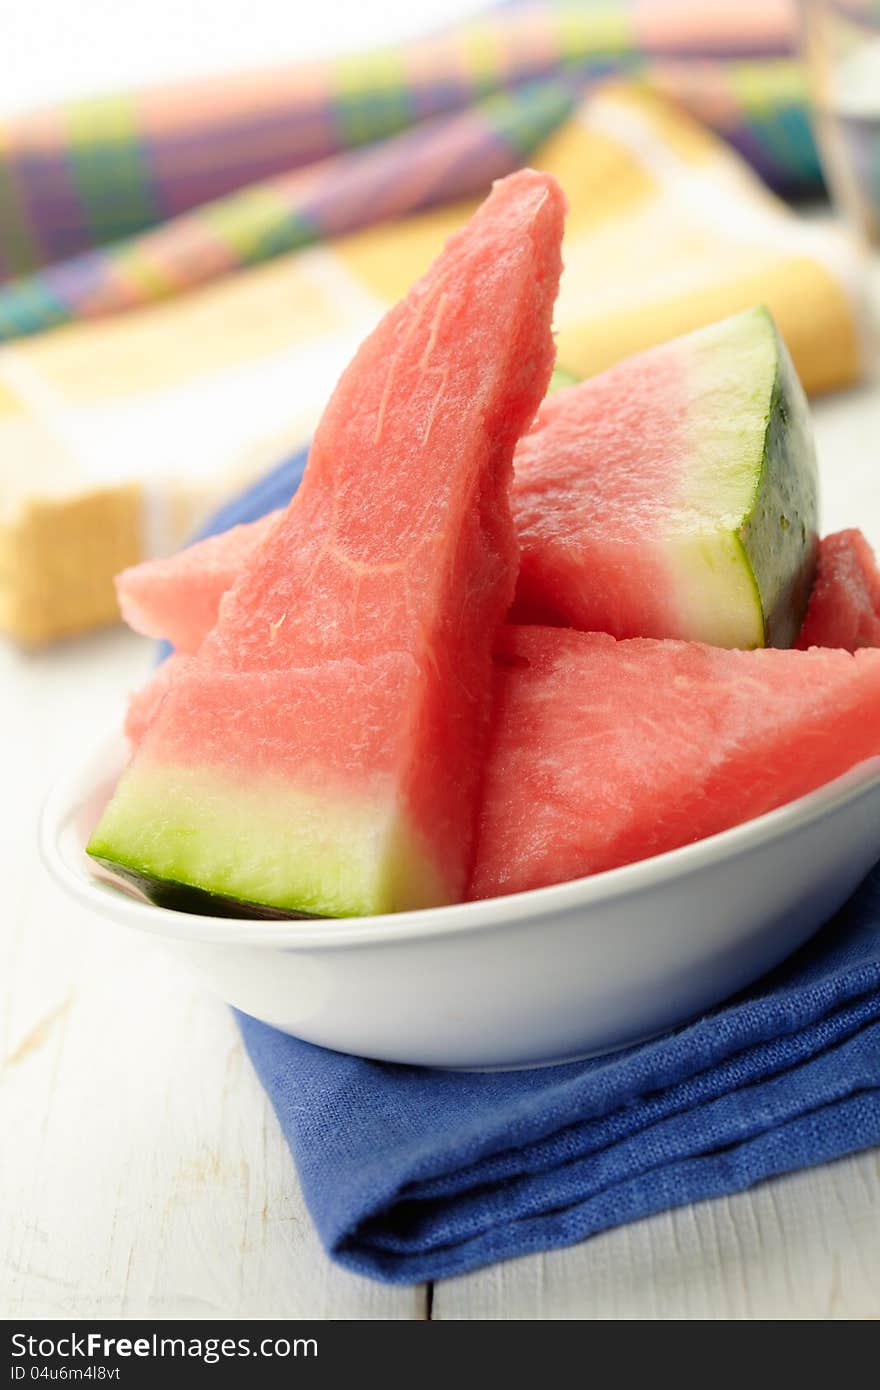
column 607, row 752
column 321, row 752
column 144, row 702
column 674, row 495
column 177, row 597
column 844, row 607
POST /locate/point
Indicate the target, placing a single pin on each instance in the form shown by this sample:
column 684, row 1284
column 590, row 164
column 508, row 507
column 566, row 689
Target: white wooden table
column 142, row 1172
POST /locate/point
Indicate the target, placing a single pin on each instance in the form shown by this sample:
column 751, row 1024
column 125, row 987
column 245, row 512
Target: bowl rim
column 68, row 795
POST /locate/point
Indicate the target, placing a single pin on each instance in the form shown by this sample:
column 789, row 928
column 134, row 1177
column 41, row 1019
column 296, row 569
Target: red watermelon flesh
column 605, row 752
column 144, row 702
column 322, row 751
column 177, row 597
column 672, row 496
column 844, row 607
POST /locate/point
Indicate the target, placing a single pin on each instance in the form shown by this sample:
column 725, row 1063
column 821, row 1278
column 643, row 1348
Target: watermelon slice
column 321, row 753
column 674, row 495
column 144, row 702
column 607, row 752
column 844, row 608
column 178, row 597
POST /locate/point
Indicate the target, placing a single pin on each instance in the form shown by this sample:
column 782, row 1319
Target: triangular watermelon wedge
column 177, row 597
column 605, row 752
column 144, row 702
column 674, row 495
column 844, row 607
column 322, row 751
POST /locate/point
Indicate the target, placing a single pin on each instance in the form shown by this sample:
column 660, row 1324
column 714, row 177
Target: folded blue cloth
column 413, row 1174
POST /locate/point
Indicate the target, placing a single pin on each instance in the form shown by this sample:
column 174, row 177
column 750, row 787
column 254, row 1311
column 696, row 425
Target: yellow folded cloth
column 117, row 436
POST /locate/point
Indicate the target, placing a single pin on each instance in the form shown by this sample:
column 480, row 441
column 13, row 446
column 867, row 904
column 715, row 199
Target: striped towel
column 440, row 159
column 132, row 426
column 91, row 172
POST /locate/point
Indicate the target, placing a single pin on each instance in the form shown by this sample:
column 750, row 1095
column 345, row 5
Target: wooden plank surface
column 143, row 1174
column 803, row 1246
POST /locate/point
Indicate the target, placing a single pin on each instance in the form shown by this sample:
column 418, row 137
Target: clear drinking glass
column 841, row 44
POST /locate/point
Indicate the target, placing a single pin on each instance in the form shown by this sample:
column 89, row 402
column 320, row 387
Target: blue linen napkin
column 412, row 1174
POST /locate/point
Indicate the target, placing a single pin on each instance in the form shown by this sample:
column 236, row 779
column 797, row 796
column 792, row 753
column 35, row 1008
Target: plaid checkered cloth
column 91, row 172
column 440, row 159
column 131, row 427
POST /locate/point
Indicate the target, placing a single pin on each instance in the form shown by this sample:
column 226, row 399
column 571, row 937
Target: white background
column 51, row 49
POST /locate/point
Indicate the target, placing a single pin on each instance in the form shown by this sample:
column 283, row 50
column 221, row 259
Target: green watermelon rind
column 780, row 535
column 742, row 579
column 336, row 874
column 561, row 377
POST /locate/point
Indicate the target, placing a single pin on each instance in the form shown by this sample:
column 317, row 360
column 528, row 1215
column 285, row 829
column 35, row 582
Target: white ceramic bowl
column 534, row 978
